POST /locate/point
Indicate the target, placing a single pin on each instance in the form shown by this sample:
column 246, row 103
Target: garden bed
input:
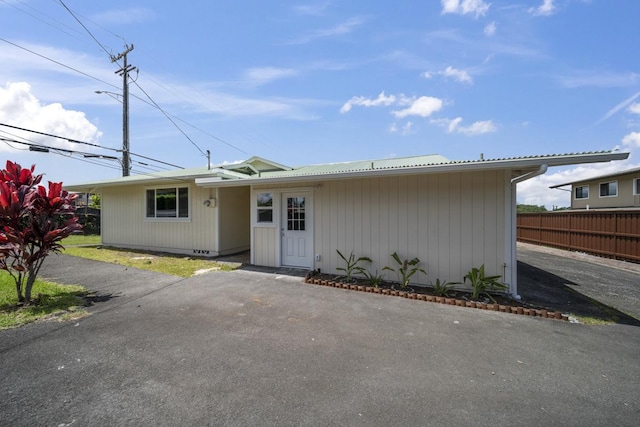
column 497, row 302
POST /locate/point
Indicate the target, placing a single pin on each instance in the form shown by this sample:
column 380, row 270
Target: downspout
column 512, row 231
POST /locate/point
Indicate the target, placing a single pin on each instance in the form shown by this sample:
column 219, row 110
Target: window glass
column 296, row 213
column 582, row 192
column 265, row 200
column 168, row 203
column 609, row 189
column 265, row 207
column 183, row 202
column 151, row 203
column 636, row 186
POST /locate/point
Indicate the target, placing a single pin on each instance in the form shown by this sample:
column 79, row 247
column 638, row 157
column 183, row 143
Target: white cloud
column 536, row 191
column 545, row 9
column 632, row 140
column 406, row 129
column 19, row 107
column 619, row 107
column 423, row 107
column 381, row 100
column 343, row 28
column 490, row 29
column 461, row 76
column 264, row 75
column 476, row 128
column 634, row 108
column 464, row 7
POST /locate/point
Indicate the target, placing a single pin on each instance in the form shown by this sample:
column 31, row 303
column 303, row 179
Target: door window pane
column 296, row 214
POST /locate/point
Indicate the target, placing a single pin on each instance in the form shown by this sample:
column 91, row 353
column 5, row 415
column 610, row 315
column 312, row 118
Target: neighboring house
column 611, row 191
column 452, row 215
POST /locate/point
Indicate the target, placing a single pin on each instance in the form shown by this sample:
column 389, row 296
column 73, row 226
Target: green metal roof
column 252, row 171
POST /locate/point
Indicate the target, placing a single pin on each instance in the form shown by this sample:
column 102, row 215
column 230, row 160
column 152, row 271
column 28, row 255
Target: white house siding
column 452, row 222
column 234, row 219
column 124, row 223
column 265, row 247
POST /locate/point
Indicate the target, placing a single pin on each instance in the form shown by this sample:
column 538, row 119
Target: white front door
column 297, row 230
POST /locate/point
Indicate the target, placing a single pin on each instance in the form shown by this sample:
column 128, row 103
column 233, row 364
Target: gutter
column 540, row 171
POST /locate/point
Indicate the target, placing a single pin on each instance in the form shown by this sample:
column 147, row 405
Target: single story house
column 452, row 215
column 610, row 191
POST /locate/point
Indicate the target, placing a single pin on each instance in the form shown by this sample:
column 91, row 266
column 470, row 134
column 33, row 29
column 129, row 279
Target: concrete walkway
column 253, row 348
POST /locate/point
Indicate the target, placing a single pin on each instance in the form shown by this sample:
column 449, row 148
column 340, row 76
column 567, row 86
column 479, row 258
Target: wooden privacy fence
column 612, row 234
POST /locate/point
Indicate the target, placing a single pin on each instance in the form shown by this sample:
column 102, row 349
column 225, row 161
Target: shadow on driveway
column 542, row 288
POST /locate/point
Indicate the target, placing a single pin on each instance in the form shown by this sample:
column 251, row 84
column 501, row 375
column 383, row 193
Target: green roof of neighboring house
column 257, row 170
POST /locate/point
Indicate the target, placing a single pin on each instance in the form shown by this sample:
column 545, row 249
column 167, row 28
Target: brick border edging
column 533, row 312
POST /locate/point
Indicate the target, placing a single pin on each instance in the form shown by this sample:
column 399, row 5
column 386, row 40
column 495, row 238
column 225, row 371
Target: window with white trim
column 609, row 189
column 581, row 192
column 636, row 187
column 265, row 208
column 168, row 203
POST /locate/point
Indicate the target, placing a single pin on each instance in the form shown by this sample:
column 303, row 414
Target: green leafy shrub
column 443, row 288
column 374, row 279
column 352, row 265
column 481, row 284
column 405, row 269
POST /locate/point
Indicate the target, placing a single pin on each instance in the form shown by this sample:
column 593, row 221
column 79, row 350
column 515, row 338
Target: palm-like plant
column 405, row 269
column 352, row 265
column 482, row 284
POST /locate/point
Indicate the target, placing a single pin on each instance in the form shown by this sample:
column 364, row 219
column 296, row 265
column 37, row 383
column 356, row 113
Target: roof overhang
column 518, row 166
column 224, row 177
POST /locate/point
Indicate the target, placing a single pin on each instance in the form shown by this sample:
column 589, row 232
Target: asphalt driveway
column 254, row 348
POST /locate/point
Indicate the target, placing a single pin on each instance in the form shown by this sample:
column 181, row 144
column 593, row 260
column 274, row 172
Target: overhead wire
column 86, row 29
column 168, row 115
column 88, row 143
column 58, row 63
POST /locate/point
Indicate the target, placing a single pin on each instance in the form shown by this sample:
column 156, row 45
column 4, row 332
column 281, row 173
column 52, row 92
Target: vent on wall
column 210, row 203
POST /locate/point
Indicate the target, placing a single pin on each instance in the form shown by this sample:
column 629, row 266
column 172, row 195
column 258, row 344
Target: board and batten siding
column 451, row 222
column 264, row 246
column 124, row 223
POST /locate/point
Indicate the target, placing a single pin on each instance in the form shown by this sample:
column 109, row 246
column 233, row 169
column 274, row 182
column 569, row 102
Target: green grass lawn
column 175, row 265
column 81, row 239
column 53, row 301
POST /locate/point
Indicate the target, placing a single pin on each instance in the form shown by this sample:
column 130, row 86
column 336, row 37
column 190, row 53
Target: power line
column 86, row 29
column 86, row 143
column 170, row 119
column 135, row 96
column 59, row 63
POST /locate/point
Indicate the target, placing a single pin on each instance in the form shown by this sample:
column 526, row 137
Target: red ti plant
column 28, row 227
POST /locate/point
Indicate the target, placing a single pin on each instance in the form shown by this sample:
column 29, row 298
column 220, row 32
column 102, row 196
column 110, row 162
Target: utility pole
column 124, row 72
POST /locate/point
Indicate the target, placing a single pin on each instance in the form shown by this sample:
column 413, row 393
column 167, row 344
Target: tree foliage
column 28, row 227
column 531, row 208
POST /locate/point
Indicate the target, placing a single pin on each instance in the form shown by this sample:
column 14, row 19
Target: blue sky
column 303, row 82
